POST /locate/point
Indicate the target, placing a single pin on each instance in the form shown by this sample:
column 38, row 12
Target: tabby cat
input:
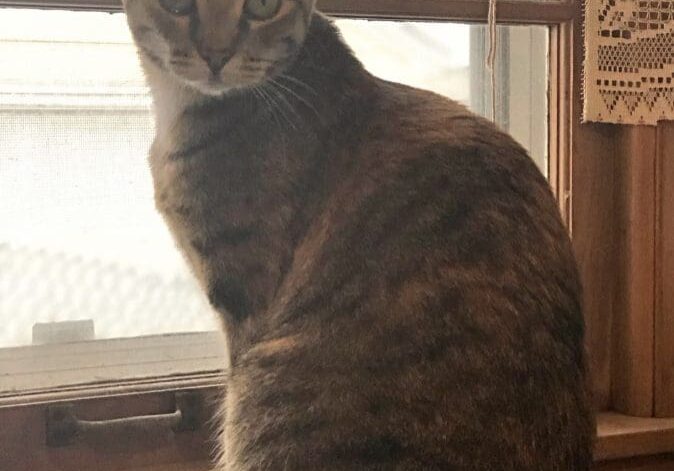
column 395, row 283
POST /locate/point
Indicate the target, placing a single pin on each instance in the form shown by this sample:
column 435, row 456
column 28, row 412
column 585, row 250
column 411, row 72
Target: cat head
column 215, row 46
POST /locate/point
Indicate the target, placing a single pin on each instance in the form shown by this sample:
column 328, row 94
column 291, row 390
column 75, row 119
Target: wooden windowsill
column 620, row 436
column 43, row 370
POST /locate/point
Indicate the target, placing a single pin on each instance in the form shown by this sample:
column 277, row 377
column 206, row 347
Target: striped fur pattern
column 396, row 286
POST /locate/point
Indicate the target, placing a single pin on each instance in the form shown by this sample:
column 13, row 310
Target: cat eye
column 178, row 7
column 262, row 9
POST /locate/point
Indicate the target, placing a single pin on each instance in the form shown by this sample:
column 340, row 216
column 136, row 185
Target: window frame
column 582, row 174
column 509, row 11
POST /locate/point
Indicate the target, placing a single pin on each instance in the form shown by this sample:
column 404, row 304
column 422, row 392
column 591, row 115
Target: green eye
column 262, row 9
column 177, row 7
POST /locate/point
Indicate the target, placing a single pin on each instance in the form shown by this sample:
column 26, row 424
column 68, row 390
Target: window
column 64, row 258
column 449, row 59
column 88, row 259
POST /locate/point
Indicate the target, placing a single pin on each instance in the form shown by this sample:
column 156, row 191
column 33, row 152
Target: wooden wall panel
column 593, row 151
column 592, row 227
column 633, row 323
column 664, row 283
column 642, row 328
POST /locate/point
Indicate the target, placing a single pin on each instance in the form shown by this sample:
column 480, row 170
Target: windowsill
column 621, row 436
column 105, row 368
column 83, row 369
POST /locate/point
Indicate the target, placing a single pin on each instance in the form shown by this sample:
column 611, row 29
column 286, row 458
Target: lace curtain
column 629, row 61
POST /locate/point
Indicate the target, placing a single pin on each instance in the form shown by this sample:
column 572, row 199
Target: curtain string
column 491, row 55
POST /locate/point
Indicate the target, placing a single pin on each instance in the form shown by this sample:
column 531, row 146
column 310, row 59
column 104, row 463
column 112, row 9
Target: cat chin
column 216, row 89
column 220, row 90
column 207, row 88
column 212, row 91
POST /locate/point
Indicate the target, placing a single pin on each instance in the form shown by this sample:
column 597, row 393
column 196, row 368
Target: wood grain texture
column 43, row 368
column 620, row 437
column 649, row 463
column 592, row 224
column 23, row 446
column 633, row 327
column 592, row 228
column 560, row 111
column 664, row 282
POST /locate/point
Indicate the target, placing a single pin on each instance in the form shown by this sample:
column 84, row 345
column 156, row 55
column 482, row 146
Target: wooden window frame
column 597, row 186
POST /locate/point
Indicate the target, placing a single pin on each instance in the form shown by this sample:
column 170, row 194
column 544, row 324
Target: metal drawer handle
column 64, row 428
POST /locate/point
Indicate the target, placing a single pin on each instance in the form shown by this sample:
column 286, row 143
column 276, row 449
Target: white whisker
column 276, row 105
column 298, row 96
column 280, row 95
column 299, row 82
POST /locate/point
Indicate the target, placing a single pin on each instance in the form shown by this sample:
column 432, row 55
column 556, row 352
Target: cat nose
column 216, row 59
